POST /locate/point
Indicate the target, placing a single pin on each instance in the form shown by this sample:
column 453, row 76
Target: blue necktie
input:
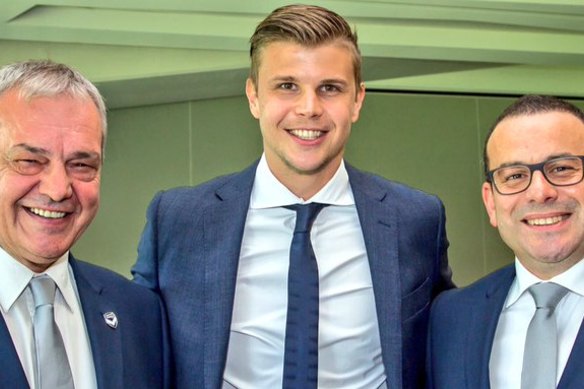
column 301, row 348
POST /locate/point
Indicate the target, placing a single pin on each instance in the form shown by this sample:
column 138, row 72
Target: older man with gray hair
column 65, row 323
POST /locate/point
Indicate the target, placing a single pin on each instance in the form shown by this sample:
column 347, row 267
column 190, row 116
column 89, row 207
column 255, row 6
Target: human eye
column 563, row 167
column 511, row 174
column 330, row 89
column 27, row 165
column 84, row 170
column 287, row 86
column 512, row 177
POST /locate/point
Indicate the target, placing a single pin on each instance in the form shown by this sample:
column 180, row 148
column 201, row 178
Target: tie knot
column 547, row 294
column 43, row 290
column 306, row 215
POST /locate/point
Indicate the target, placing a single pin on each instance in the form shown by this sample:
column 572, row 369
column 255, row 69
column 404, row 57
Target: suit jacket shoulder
column 362, row 179
column 132, row 350
column 416, row 218
column 217, row 189
column 188, row 253
column 476, row 291
column 117, row 285
column 462, row 327
column 405, row 237
column 417, row 210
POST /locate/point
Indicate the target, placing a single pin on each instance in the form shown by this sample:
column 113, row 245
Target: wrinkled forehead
column 16, row 99
column 31, row 121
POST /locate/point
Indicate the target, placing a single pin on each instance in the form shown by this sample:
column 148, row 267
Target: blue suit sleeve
column 145, row 270
column 445, row 272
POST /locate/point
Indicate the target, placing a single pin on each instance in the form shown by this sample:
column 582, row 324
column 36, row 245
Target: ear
column 252, row 98
column 489, row 202
column 358, row 102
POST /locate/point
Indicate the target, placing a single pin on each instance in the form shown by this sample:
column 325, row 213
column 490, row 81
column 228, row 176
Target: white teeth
column 47, row 214
column 545, row 221
column 306, row 134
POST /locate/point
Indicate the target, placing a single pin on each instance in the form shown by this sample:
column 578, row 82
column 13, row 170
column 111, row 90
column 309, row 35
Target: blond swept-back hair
column 306, row 25
column 37, row 78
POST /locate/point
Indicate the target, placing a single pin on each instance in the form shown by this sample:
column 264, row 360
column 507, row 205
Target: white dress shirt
column 349, row 343
column 507, row 353
column 17, row 306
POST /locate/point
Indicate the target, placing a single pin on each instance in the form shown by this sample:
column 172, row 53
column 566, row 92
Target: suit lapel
column 106, row 342
column 11, row 374
column 485, row 317
column 224, row 223
column 573, row 375
column 378, row 218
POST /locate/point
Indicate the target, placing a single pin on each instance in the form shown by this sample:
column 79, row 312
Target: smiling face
column 50, row 163
column 306, row 101
column 544, row 225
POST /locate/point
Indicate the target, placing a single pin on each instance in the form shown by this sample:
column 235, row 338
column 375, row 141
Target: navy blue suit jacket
column 190, row 248
column 133, row 355
column 462, row 329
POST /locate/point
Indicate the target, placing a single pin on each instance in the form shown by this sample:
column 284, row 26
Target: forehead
column 533, row 138
column 288, row 55
column 42, row 117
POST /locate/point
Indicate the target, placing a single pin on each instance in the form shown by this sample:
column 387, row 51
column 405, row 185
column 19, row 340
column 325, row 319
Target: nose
column 541, row 190
column 309, row 104
column 55, row 183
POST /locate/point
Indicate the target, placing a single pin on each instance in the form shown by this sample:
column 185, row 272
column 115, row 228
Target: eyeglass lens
column 559, row 171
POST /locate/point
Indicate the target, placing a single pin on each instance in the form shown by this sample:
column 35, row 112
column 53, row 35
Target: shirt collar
column 570, row 279
column 268, row 192
column 14, row 278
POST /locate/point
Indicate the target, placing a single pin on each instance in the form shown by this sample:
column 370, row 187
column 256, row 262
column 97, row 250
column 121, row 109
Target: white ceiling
column 153, row 51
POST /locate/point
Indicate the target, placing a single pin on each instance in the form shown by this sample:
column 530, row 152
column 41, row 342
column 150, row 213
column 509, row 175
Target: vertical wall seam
column 191, row 137
column 480, row 148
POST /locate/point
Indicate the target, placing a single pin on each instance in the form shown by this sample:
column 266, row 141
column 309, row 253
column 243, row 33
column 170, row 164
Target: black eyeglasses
column 563, row 171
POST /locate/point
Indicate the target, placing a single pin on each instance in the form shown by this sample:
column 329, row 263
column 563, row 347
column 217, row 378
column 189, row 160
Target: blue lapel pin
column 111, row 319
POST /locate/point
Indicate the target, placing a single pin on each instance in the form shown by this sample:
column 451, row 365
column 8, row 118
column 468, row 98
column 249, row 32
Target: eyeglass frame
column 534, row 167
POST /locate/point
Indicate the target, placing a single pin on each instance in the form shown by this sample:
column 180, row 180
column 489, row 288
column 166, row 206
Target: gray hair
column 34, row 78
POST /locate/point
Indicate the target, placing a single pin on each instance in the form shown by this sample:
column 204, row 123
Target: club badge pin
column 111, row 319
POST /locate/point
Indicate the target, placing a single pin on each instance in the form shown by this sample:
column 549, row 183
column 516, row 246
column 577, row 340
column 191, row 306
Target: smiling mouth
column 307, row 134
column 546, row 221
column 47, row 214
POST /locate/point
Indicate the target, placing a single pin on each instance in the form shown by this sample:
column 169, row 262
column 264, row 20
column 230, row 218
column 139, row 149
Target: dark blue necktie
column 301, row 348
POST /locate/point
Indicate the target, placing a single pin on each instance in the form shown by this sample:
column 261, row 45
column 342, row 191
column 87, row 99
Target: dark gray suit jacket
column 133, row 355
column 462, row 329
column 190, row 249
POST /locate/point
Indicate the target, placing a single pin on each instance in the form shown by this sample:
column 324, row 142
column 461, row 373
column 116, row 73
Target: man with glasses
column 491, row 334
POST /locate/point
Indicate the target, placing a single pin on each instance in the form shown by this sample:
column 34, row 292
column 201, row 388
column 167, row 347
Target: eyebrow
column 43, row 151
column 549, row 158
column 295, row 79
column 85, row 155
column 335, row 81
column 32, row 149
column 283, row 79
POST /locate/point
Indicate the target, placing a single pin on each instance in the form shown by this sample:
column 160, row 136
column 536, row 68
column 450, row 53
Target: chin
column 50, row 253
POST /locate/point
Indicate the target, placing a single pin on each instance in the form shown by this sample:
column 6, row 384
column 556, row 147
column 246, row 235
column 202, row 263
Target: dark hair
column 530, row 105
column 306, row 25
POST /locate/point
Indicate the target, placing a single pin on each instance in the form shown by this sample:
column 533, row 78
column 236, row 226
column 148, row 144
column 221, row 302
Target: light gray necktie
column 52, row 366
column 541, row 344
